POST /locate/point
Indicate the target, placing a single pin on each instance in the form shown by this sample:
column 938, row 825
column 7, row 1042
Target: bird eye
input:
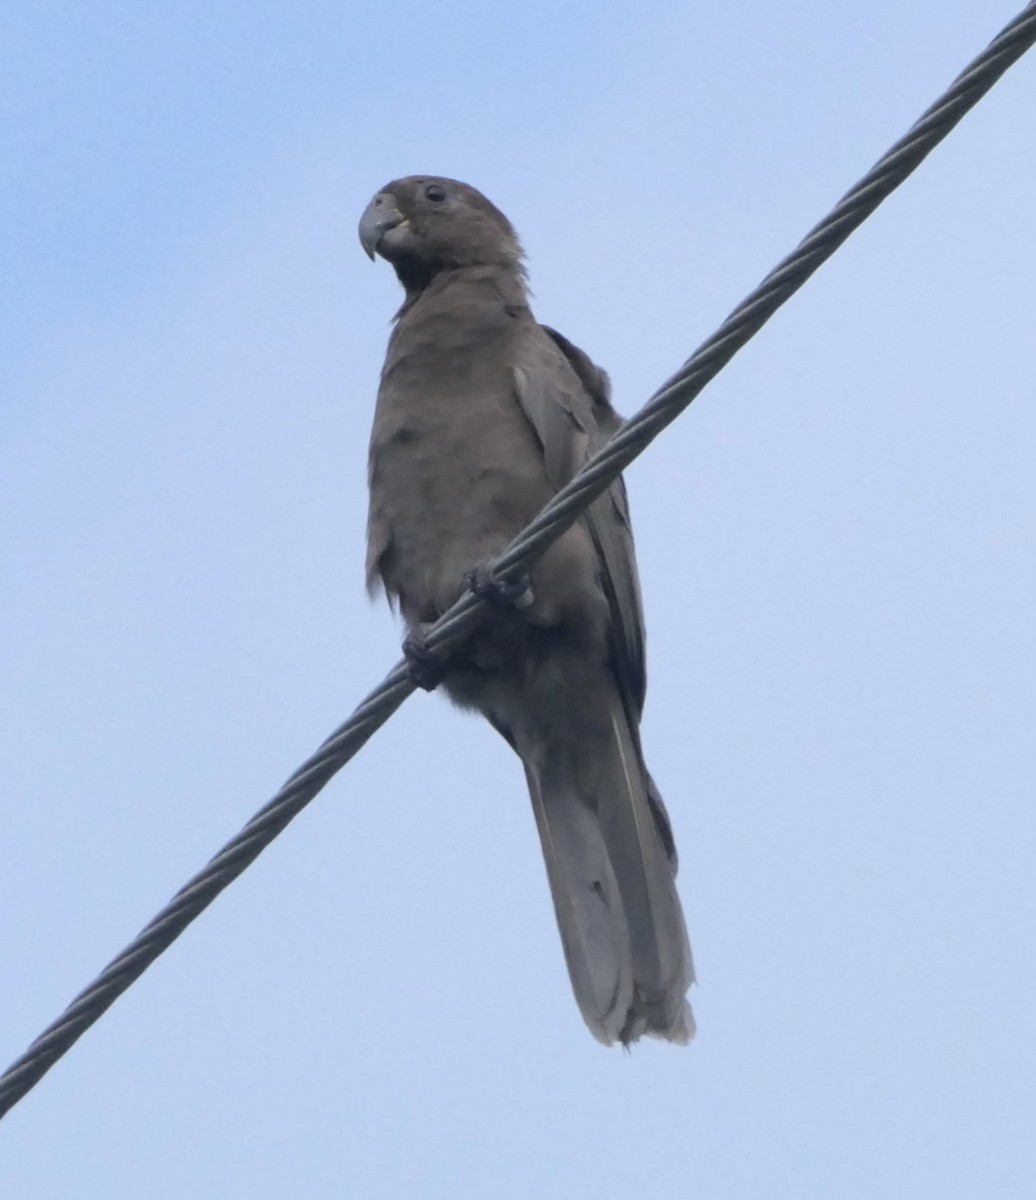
column 434, row 192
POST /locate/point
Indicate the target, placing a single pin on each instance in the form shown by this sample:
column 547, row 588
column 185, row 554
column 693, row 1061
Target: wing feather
column 565, row 399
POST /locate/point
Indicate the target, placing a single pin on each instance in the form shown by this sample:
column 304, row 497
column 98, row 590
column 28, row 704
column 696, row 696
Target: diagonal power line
column 457, row 624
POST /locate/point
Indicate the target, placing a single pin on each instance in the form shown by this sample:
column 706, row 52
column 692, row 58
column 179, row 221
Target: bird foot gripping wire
column 503, row 593
column 425, row 666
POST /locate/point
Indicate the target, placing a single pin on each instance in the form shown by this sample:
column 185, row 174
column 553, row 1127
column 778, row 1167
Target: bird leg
column 503, row 593
column 426, row 667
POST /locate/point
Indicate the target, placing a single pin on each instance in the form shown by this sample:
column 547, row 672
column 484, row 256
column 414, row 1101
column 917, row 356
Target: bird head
column 425, row 224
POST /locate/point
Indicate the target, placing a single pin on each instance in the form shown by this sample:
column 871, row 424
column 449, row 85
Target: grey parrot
column 482, row 416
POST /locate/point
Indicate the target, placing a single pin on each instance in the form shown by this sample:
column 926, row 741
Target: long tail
column 613, row 886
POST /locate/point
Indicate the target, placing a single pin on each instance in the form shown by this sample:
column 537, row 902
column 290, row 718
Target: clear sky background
column 836, row 544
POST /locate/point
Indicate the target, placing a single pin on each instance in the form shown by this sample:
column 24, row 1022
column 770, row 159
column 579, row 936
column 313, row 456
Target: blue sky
column 836, row 545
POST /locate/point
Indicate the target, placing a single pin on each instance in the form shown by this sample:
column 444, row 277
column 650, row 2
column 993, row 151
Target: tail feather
column 588, row 905
column 613, row 887
column 663, row 969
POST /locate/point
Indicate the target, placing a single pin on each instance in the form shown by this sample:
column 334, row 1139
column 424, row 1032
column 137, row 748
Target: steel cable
column 457, row 624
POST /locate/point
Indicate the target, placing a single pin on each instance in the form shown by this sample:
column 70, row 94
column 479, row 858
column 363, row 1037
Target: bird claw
column 503, row 593
column 426, row 667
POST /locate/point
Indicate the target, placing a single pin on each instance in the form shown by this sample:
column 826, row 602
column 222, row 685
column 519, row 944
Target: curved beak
column 379, row 217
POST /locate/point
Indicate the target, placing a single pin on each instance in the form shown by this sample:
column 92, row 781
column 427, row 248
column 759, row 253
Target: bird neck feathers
column 508, row 282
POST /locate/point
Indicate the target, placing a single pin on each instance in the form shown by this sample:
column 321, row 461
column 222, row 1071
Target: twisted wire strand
column 466, row 614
